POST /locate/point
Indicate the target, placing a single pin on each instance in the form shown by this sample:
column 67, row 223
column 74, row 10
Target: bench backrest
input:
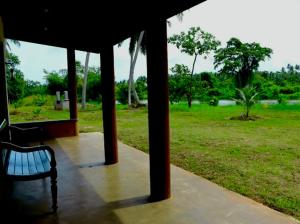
column 3, row 133
column 3, row 130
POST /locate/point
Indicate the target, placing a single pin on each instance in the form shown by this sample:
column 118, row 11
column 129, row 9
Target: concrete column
column 4, row 114
column 109, row 104
column 158, row 110
column 72, row 86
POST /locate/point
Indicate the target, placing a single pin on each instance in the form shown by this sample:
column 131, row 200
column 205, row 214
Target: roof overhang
column 86, row 26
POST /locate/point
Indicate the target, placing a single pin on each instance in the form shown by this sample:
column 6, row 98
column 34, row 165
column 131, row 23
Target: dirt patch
column 245, row 118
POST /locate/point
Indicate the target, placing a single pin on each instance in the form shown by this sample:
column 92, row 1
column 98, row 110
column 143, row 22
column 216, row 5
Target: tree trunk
column 129, row 79
column 191, row 81
column 86, row 70
column 133, row 60
column 189, row 98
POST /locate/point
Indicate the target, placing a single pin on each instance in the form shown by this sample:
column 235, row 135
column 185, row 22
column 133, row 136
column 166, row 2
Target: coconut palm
column 138, row 44
column 9, row 42
column 247, row 98
column 85, row 77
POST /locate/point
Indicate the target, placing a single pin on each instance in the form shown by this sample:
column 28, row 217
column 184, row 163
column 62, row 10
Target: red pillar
column 3, row 85
column 158, row 111
column 72, row 86
column 108, row 105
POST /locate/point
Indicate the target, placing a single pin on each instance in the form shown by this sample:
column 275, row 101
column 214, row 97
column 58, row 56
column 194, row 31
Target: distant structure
column 62, row 104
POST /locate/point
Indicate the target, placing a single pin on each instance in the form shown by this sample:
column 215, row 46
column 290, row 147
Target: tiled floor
column 90, row 192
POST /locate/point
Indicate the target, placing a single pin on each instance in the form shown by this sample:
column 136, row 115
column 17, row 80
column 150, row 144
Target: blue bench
column 20, row 163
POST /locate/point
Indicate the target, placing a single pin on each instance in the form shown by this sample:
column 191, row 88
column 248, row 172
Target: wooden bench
column 28, row 163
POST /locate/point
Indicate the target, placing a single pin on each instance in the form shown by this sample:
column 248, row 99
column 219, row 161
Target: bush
column 36, row 112
column 214, row 101
column 122, row 92
column 287, row 90
column 39, row 100
column 282, row 99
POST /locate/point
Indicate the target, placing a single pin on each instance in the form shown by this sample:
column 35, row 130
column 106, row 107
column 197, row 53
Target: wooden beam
column 108, row 105
column 4, row 114
column 72, row 86
column 158, row 110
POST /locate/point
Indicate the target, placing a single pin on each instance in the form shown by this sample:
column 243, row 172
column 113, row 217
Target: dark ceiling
column 86, row 26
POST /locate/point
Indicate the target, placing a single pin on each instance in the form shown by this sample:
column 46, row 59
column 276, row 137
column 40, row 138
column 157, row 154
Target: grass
column 259, row 159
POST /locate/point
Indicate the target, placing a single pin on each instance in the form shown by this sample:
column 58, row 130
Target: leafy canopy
column 241, row 59
column 195, row 42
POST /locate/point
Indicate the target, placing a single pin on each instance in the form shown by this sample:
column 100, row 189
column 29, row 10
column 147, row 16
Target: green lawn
column 259, row 159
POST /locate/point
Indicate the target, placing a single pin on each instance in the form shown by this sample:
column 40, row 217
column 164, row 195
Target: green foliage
column 214, row 101
column 34, row 88
column 36, row 112
column 180, row 83
column 17, row 103
column 141, row 87
column 282, row 99
column 247, row 98
column 122, row 92
column 15, row 86
column 194, row 43
column 15, row 78
column 55, row 82
column 240, row 60
column 93, row 91
column 32, row 100
column 39, row 100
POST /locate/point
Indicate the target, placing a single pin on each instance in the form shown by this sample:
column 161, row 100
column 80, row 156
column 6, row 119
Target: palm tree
column 138, row 44
column 247, row 98
column 9, row 42
column 85, row 77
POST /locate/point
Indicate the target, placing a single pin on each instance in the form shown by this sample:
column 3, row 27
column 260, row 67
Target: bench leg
column 54, row 189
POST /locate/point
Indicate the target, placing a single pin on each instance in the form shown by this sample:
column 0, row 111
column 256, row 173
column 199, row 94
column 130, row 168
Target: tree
column 137, row 44
column 247, row 98
column 85, row 77
column 179, row 83
column 55, row 82
column 194, row 43
column 94, row 89
column 240, row 60
column 15, row 78
column 122, row 91
column 141, row 87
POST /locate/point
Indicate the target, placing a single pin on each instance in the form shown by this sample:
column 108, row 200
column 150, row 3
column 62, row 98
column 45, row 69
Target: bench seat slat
column 31, row 164
column 18, row 165
column 38, row 162
column 45, row 160
column 25, row 164
column 11, row 163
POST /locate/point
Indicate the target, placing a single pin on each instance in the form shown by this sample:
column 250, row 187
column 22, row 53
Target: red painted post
column 158, row 111
column 4, row 114
column 72, row 86
column 109, row 105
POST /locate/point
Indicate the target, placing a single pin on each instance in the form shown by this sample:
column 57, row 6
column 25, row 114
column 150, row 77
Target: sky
column 272, row 23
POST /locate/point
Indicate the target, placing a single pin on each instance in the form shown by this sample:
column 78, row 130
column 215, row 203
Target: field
column 259, row 159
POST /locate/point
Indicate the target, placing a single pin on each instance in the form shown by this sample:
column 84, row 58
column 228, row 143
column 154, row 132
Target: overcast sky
column 272, row 23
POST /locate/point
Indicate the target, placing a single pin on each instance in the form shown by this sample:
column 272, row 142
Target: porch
column 91, row 192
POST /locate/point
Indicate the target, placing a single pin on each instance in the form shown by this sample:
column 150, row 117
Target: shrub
column 247, row 97
column 214, row 101
column 36, row 112
column 39, row 100
column 122, row 92
column 282, row 99
column 287, row 90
